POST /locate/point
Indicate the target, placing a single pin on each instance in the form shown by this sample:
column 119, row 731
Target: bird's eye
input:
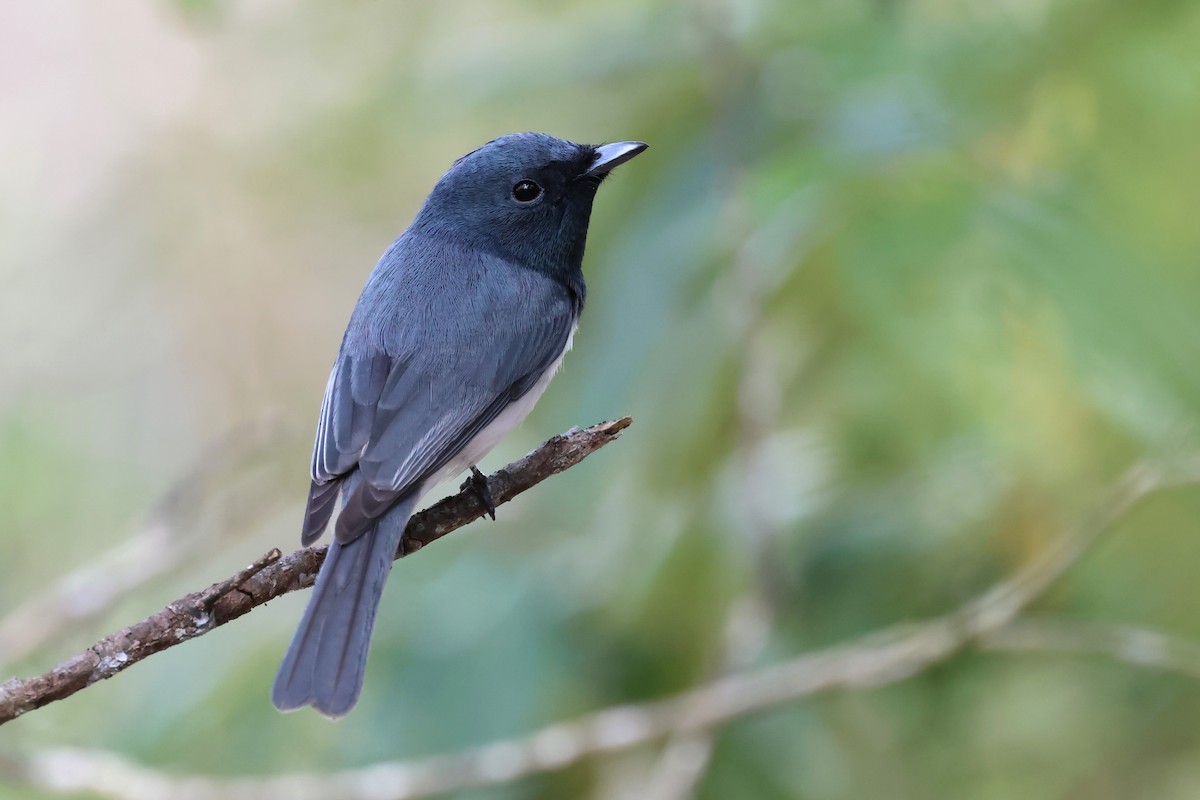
column 526, row 191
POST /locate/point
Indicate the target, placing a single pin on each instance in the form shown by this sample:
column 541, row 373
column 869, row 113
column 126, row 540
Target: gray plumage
column 461, row 325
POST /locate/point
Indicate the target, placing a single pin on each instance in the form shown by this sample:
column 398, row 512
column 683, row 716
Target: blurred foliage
column 897, row 289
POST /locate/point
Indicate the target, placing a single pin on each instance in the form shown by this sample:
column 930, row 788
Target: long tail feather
column 327, row 659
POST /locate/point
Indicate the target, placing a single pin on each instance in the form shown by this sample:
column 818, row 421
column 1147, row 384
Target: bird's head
column 526, row 197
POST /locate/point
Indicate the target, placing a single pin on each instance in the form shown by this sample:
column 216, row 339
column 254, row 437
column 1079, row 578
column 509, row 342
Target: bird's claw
column 477, row 483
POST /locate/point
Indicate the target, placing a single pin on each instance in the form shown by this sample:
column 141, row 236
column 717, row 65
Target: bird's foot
column 478, row 484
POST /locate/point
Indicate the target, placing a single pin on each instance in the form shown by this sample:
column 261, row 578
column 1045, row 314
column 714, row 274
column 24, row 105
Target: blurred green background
column 897, row 290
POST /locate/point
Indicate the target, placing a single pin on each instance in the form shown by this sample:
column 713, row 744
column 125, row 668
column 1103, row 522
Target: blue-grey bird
column 460, row 327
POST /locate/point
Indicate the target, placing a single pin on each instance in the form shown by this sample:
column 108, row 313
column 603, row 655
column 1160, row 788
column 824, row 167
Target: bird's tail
column 325, row 663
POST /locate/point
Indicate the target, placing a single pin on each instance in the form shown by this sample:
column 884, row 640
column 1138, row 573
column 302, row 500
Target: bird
column 461, row 325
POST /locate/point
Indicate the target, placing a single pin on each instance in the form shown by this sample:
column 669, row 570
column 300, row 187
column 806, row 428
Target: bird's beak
column 611, row 156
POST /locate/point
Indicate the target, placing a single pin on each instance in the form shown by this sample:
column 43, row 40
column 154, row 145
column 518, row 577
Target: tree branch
column 887, row 656
column 273, row 576
column 168, row 537
column 1130, row 644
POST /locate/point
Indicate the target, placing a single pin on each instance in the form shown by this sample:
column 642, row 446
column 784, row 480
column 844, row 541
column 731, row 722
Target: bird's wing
column 348, row 412
column 343, row 428
column 402, row 417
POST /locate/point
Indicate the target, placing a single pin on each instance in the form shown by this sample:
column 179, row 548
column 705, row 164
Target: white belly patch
column 512, row 416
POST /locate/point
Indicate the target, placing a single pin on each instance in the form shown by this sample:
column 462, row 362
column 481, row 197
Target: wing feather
column 430, row 418
column 430, row 358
